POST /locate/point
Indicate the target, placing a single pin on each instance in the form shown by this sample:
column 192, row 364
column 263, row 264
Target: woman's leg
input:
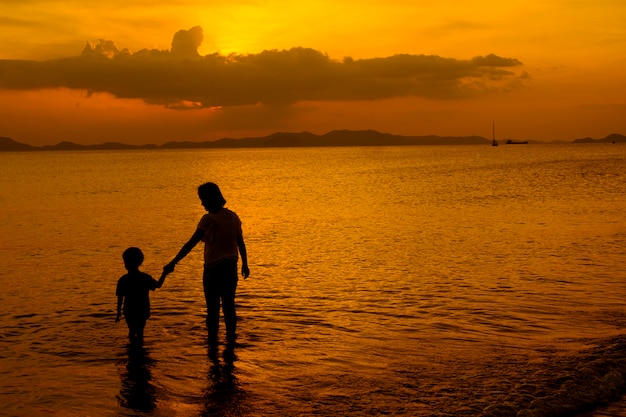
column 220, row 283
column 228, row 288
column 212, row 297
column 228, row 307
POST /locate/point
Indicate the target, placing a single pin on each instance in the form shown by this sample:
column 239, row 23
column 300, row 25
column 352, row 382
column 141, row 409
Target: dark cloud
column 182, row 79
column 187, row 42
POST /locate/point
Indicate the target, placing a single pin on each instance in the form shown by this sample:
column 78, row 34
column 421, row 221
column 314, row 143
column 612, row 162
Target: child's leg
column 135, row 329
column 131, row 332
column 138, row 325
column 140, row 333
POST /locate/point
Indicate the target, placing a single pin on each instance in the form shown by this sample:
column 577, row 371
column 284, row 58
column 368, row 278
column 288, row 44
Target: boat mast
column 493, row 133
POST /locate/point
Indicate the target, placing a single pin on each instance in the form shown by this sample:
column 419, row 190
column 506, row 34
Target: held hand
column 245, row 271
column 168, row 269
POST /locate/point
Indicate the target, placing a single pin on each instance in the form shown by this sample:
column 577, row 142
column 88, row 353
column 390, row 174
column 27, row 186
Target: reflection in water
column 137, row 391
column 223, row 395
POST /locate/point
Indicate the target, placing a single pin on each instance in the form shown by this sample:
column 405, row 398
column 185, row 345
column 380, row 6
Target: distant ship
column 493, row 134
column 516, row 142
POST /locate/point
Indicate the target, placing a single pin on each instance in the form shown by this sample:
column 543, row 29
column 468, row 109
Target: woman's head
column 211, row 197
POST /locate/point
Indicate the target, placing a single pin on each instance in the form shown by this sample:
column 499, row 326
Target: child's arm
column 119, row 308
column 161, row 280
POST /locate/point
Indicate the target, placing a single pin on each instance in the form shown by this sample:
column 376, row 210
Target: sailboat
column 493, row 140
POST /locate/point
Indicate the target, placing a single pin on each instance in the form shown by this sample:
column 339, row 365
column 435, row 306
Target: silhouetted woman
column 220, row 230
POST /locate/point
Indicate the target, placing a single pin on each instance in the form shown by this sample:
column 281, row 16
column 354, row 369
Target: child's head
column 211, row 197
column 133, row 258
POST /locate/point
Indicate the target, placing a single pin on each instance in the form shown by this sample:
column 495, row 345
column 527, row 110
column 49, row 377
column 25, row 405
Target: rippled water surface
column 417, row 281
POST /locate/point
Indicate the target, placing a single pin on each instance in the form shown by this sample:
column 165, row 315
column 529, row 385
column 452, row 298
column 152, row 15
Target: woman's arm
column 245, row 271
column 187, row 247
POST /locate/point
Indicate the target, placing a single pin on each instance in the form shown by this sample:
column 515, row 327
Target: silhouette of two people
column 221, row 231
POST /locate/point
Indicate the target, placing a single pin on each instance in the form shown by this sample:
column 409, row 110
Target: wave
column 571, row 385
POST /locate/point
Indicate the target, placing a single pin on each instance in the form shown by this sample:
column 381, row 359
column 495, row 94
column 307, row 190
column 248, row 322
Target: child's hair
column 211, row 195
column 133, row 257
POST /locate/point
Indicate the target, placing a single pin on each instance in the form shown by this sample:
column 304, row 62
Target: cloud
column 182, row 79
column 187, row 42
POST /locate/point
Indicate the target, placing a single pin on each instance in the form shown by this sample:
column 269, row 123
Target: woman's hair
column 133, row 257
column 211, row 196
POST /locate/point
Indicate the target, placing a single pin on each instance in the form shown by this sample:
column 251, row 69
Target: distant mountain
column 70, row 146
column 8, row 144
column 612, row 138
column 279, row 139
column 333, row 138
column 289, row 139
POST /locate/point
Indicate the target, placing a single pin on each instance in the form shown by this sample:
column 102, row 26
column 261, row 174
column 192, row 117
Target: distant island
column 613, row 138
column 286, row 139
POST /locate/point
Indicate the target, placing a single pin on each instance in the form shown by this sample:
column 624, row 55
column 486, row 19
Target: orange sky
column 190, row 70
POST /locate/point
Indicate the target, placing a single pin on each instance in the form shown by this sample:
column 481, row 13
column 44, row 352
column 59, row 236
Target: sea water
column 413, row 281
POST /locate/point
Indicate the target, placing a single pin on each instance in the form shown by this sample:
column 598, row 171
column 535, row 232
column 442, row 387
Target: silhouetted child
column 133, row 291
